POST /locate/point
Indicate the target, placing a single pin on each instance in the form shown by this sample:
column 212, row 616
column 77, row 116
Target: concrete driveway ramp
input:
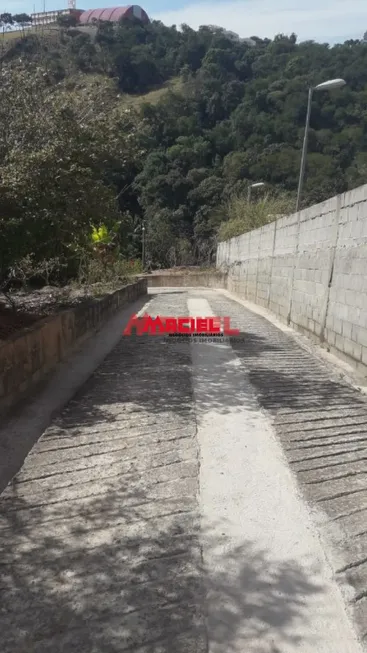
column 169, row 506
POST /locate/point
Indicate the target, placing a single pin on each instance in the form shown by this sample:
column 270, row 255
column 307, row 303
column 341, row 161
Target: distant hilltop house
column 91, row 16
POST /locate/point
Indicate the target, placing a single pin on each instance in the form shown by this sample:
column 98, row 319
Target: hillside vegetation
column 134, row 123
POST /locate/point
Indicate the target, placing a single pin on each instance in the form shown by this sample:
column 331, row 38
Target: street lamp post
column 259, row 184
column 325, row 86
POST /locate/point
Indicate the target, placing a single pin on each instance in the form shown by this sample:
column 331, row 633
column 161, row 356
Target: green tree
column 212, row 114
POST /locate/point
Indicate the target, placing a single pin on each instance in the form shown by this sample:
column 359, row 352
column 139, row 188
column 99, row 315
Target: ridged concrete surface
column 100, row 544
column 321, row 423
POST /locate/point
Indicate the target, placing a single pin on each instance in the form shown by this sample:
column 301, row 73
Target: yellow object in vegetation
column 100, row 235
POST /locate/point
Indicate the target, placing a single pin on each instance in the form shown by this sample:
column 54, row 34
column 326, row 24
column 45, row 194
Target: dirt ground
column 26, row 308
column 29, row 307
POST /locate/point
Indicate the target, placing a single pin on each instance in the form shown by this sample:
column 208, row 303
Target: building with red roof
column 113, row 14
column 91, row 16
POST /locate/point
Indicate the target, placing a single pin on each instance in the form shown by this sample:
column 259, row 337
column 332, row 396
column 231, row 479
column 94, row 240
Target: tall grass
column 242, row 216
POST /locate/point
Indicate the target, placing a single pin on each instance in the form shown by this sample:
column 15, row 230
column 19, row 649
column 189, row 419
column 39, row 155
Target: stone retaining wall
column 30, row 355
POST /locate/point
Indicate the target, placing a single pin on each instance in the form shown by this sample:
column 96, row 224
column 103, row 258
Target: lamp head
column 330, row 85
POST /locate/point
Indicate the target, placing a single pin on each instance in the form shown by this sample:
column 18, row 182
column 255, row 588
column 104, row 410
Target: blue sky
column 329, row 21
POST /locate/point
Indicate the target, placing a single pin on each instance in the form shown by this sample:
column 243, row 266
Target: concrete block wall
column 310, row 269
column 198, row 279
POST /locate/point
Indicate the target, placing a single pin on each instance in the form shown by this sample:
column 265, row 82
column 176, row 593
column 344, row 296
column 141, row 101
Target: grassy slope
column 17, row 34
column 174, row 84
column 98, row 80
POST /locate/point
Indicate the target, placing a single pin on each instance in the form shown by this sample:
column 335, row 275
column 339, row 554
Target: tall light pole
column 325, row 86
column 257, row 185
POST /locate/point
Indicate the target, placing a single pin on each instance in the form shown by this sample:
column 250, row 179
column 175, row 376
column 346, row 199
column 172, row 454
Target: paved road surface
column 163, row 510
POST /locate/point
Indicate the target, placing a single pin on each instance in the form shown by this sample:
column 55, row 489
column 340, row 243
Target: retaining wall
column 210, row 279
column 28, row 357
column 310, row 269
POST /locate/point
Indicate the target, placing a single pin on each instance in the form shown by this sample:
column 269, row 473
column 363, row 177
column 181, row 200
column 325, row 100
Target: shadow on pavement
column 284, row 375
column 71, row 579
column 155, row 372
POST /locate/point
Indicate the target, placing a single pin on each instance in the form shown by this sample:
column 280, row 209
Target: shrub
column 243, row 216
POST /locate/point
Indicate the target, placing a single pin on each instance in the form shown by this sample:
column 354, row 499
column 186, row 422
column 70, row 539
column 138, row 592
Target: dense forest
column 104, row 131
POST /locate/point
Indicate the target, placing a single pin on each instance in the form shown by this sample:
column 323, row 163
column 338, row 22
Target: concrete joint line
column 330, row 270
column 293, row 270
column 272, row 260
column 257, row 268
column 247, row 265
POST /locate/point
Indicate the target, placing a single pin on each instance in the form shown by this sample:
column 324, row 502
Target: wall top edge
column 349, row 198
